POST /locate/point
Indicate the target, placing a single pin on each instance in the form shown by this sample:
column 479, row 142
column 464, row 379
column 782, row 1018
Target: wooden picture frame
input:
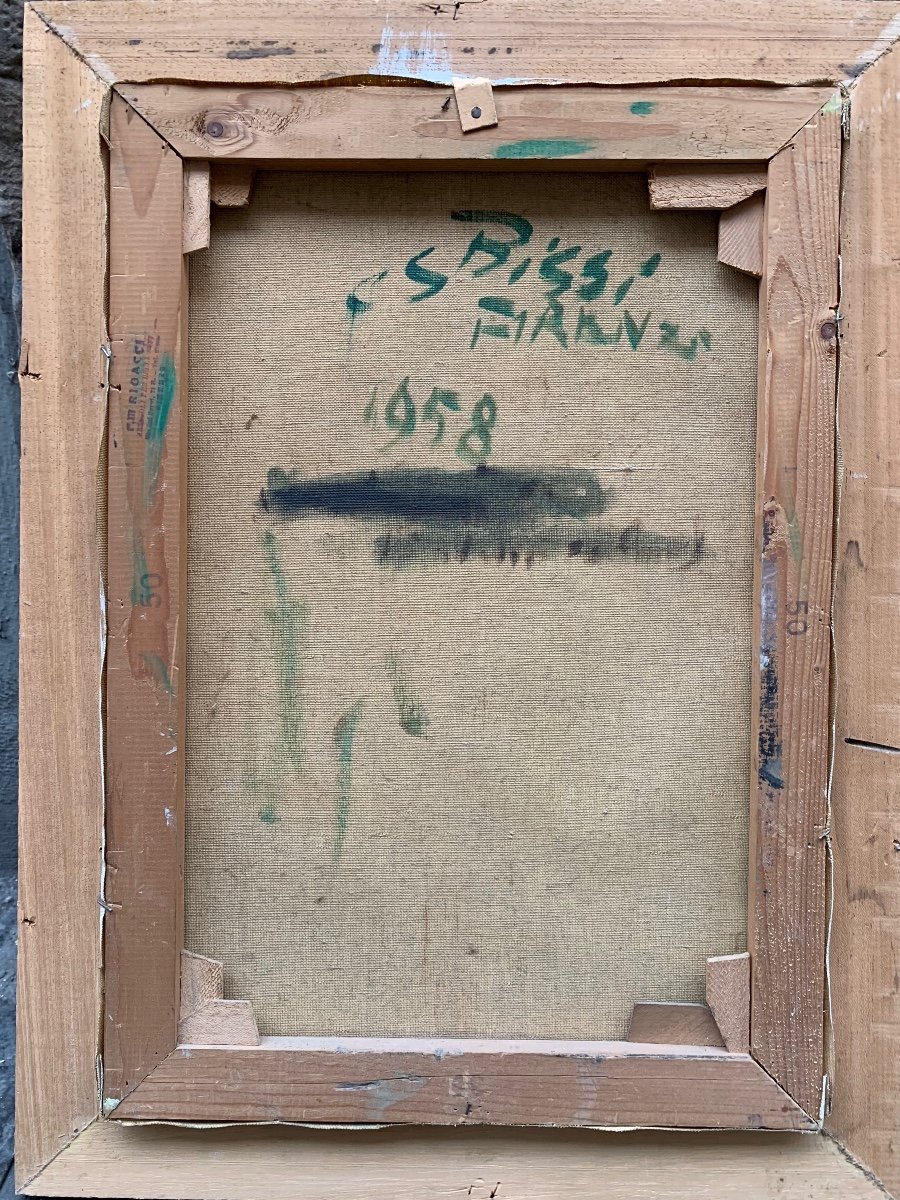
column 149, row 1070
column 707, row 146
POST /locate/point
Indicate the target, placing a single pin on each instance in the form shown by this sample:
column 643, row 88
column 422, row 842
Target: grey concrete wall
column 10, row 253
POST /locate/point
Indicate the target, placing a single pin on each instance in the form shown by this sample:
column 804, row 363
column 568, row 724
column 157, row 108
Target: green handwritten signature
column 491, row 255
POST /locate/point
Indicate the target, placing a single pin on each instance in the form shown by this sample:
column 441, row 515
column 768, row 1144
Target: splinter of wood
column 196, row 205
column 741, row 236
column 704, row 187
column 728, row 996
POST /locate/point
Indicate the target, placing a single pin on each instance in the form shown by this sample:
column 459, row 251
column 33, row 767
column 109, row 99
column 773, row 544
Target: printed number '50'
column 797, row 622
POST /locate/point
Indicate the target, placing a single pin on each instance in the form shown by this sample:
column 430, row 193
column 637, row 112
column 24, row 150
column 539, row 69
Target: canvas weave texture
column 471, row 474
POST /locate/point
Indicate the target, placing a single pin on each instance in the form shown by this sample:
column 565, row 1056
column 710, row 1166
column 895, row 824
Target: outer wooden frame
column 58, row 1097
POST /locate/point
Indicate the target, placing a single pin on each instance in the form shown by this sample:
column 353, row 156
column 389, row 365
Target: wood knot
column 223, row 130
column 828, row 331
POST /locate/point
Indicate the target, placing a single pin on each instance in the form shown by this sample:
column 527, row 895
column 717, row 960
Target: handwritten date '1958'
column 401, row 416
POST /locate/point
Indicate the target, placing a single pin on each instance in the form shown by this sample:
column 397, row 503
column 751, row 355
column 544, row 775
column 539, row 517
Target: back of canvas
column 471, row 494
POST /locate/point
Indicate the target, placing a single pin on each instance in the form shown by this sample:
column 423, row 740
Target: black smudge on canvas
column 488, row 514
column 485, row 496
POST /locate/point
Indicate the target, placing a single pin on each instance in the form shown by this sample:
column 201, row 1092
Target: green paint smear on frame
column 413, row 719
column 140, row 572
column 643, row 108
column 795, row 535
column 544, row 148
column 344, row 732
column 289, row 621
column 157, row 419
column 160, row 672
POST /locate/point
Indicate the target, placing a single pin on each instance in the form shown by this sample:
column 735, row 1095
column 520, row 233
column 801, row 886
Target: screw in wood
column 476, row 112
column 215, row 129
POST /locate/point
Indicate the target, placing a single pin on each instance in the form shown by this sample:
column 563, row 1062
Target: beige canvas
column 470, row 573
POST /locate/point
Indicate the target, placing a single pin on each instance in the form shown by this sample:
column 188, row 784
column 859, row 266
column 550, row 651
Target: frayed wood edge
column 130, row 1123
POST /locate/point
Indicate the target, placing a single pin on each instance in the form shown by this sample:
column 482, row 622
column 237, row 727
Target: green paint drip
column 157, row 420
column 290, row 626
column 643, row 108
column 344, row 731
column 259, row 787
column 270, row 546
column 413, row 719
column 544, row 148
